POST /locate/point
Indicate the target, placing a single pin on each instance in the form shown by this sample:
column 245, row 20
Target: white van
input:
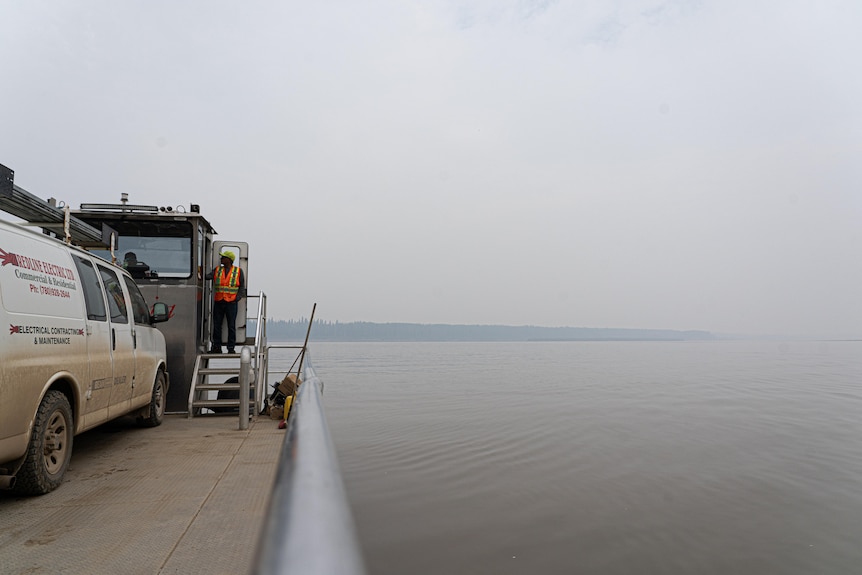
column 81, row 349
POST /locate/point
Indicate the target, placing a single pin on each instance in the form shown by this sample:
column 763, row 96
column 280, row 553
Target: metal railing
column 309, row 529
column 260, row 363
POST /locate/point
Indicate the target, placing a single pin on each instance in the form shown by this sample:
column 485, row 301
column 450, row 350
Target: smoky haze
column 637, row 164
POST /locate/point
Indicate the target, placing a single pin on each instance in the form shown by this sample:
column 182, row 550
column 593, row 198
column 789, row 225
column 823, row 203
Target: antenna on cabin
column 124, row 198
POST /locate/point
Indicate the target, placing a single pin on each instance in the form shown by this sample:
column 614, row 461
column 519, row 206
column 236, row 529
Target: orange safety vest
column 226, row 284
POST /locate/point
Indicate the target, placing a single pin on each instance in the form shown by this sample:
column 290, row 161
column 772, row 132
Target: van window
column 116, row 299
column 139, row 305
column 92, row 290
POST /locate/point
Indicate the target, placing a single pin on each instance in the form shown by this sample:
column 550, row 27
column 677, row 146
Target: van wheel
column 155, row 411
column 50, row 447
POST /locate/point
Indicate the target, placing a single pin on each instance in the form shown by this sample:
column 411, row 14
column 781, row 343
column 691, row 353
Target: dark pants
column 222, row 309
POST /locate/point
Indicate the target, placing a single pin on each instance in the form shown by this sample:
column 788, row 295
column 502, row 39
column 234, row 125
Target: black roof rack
column 37, row 212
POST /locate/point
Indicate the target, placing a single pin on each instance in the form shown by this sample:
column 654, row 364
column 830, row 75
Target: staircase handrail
column 260, row 358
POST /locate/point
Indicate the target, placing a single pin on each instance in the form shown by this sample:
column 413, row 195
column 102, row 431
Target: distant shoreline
column 363, row 331
column 370, row 331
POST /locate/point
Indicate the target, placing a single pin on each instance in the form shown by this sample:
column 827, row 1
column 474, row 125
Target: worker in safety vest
column 229, row 288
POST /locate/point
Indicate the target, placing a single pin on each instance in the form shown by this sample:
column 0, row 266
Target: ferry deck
column 189, row 496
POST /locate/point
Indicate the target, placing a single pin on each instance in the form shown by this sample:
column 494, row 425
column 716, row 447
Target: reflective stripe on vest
column 226, row 284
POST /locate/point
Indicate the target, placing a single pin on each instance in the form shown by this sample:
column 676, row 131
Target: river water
column 600, row 457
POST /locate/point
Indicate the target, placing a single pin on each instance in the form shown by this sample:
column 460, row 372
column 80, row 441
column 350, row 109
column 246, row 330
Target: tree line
column 322, row 330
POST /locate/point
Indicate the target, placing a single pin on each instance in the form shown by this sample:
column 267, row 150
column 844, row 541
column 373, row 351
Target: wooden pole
column 305, row 345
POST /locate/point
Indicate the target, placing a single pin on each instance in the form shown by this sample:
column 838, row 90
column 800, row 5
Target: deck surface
column 186, row 497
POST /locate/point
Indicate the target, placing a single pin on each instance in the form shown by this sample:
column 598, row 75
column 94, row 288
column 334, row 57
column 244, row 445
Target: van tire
column 155, row 412
column 50, row 447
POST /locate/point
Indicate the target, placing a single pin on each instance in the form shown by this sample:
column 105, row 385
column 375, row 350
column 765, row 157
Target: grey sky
column 636, row 163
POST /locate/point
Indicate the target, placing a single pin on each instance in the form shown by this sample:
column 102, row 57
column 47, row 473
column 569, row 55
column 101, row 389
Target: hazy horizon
column 765, row 336
column 645, row 164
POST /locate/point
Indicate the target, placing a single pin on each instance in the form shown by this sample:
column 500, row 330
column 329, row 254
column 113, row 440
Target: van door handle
column 113, row 339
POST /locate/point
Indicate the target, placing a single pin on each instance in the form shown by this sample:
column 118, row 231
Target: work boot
column 231, row 350
column 215, row 350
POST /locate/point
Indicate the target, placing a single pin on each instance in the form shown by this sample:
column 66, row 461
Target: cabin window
column 153, row 249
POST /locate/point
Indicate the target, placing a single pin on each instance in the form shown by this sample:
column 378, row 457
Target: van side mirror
column 160, row 312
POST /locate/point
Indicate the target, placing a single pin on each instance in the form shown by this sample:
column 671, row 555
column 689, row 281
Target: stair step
column 219, row 386
column 219, row 371
column 216, row 403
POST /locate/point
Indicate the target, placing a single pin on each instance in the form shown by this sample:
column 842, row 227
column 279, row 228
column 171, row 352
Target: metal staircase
column 225, row 368
column 205, row 393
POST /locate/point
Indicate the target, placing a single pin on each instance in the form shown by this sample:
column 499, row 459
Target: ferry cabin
column 169, row 252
